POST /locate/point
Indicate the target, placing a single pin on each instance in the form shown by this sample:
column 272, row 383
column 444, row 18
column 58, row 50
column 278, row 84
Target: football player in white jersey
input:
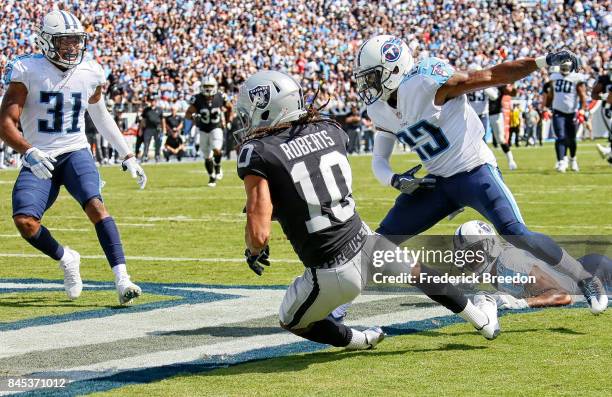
column 568, row 88
column 425, row 106
column 498, row 258
column 47, row 95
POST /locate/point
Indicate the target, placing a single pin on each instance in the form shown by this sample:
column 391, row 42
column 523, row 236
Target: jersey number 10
column 301, row 176
column 56, row 110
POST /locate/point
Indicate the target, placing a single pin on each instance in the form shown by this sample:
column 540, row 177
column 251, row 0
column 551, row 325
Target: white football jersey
column 479, row 102
column 565, row 97
column 53, row 115
column 513, row 261
column 447, row 138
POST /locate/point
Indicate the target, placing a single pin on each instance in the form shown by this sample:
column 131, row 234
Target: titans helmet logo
column 391, row 50
column 262, row 92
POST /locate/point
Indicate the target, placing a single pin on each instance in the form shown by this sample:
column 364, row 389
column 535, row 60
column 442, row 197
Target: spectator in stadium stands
column 174, row 146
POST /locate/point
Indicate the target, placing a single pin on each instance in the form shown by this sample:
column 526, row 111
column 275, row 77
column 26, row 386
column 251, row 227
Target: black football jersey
column 606, row 82
column 210, row 110
column 495, row 105
column 310, row 185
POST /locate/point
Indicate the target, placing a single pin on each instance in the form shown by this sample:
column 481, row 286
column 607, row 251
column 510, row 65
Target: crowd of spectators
column 163, row 48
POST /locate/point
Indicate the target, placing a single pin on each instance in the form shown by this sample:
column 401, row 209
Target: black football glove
column 407, row 183
column 255, row 261
column 560, row 57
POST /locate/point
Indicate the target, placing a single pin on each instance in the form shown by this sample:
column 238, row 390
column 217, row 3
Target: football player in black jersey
column 600, row 89
column 210, row 110
column 294, row 166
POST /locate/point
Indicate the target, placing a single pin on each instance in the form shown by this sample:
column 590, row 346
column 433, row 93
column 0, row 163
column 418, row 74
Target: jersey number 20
column 301, row 176
column 56, row 99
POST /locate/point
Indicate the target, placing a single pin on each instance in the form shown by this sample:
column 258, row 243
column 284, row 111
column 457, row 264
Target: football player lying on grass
column 502, row 259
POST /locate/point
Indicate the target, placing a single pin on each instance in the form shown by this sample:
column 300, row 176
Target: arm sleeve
column 384, row 143
column 106, row 125
column 250, row 162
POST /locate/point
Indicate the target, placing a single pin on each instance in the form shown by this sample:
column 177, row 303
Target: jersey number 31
column 56, row 110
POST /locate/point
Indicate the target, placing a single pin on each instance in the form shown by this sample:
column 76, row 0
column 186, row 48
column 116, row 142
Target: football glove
column 136, row 171
column 39, row 162
column 255, row 261
column 509, row 302
column 560, row 57
column 407, row 183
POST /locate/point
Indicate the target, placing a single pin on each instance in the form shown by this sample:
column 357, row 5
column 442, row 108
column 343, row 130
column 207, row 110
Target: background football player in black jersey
column 294, row 165
column 210, row 110
column 602, row 88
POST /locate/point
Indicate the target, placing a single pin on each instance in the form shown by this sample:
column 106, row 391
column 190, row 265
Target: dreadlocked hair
column 312, row 115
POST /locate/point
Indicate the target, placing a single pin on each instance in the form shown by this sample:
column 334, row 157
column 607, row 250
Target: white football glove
column 39, row 162
column 509, row 302
column 136, row 170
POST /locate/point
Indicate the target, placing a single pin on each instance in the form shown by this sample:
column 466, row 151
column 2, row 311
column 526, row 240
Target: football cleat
column 70, row 262
column 512, row 165
column 574, row 164
column 604, row 152
column 488, row 306
column 219, row 175
column 374, row 336
column 595, row 294
column 127, row 290
column 561, row 166
column 212, row 182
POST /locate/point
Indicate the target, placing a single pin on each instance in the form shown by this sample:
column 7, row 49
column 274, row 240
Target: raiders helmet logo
column 263, row 93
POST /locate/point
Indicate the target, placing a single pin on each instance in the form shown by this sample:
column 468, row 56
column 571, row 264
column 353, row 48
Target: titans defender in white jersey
column 503, row 261
column 425, row 106
column 568, row 89
column 48, row 95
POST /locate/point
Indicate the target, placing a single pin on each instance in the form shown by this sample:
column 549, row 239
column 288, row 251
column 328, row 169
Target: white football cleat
column 512, row 165
column 219, row 176
column 70, row 263
column 561, row 166
column 212, row 182
column 604, row 151
column 488, row 306
column 574, row 164
column 127, row 290
column 595, row 294
column 374, row 336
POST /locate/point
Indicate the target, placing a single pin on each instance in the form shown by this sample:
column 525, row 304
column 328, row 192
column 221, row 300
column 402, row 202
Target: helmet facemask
column 63, row 49
column 565, row 68
column 370, row 84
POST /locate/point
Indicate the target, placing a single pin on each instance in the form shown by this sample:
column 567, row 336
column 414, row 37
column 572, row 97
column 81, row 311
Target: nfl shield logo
column 391, row 50
column 263, row 92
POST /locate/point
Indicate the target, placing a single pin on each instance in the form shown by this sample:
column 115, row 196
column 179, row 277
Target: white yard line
column 150, row 258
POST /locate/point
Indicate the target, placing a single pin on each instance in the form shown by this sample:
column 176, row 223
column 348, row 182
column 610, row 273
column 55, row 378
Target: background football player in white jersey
column 479, row 100
column 425, row 106
column 550, row 288
column 48, row 95
column 567, row 89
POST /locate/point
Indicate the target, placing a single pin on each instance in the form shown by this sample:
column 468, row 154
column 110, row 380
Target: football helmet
column 267, row 98
column 478, row 236
column 209, row 86
column 382, row 63
column 565, row 68
column 62, row 39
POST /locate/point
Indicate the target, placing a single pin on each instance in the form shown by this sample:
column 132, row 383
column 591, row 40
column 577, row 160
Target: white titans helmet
column 266, row 99
column 478, row 236
column 381, row 64
column 209, row 86
column 62, row 39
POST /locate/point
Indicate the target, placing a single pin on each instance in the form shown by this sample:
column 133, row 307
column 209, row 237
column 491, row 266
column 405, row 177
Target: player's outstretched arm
column 384, row 142
column 105, row 124
column 504, row 73
column 259, row 222
column 10, row 111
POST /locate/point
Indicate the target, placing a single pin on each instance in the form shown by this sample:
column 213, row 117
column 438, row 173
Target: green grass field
column 180, row 231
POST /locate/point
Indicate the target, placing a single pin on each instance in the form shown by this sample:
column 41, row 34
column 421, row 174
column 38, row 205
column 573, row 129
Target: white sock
column 120, row 271
column 571, row 267
column 474, row 315
column 358, row 340
column 510, row 156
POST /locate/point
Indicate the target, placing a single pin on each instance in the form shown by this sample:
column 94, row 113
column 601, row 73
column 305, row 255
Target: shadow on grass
column 229, row 331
